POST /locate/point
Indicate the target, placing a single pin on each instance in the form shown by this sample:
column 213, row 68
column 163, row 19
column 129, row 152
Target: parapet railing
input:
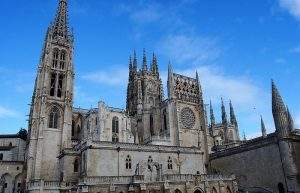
column 112, row 179
column 96, row 180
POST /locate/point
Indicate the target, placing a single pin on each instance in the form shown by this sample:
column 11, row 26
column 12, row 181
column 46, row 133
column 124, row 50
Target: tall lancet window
column 52, row 84
column 62, row 62
column 54, row 118
column 60, row 85
column 151, row 125
column 55, row 58
column 115, row 129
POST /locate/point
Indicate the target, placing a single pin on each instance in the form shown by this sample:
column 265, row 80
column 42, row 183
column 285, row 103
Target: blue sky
column 237, row 46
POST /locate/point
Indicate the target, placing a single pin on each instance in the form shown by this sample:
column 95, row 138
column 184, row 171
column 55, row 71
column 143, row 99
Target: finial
column 145, row 67
column 154, row 65
column 263, row 128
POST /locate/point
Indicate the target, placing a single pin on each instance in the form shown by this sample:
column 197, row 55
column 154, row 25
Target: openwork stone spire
column 232, row 115
column 224, row 115
column 145, row 67
column 60, row 25
column 263, row 127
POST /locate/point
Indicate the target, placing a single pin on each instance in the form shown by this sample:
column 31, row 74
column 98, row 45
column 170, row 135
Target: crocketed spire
column 279, row 112
column 60, row 25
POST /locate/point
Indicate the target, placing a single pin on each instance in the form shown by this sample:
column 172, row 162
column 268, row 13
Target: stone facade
column 154, row 145
column 12, row 154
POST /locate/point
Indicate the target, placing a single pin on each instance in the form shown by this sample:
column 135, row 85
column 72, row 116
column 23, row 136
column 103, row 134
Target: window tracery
column 54, row 118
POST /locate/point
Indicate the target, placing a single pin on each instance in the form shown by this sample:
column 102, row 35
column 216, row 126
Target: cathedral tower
column 144, row 97
column 51, row 109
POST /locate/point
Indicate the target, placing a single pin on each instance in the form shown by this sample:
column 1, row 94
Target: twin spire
column 133, row 64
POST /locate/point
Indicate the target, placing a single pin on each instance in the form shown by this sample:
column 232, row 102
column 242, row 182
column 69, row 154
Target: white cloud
column 113, row 77
column 189, row 49
column 292, row 6
column 280, row 60
column 295, row 50
column 141, row 13
column 5, row 112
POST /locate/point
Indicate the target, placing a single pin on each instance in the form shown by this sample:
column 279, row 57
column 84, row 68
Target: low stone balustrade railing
column 112, row 179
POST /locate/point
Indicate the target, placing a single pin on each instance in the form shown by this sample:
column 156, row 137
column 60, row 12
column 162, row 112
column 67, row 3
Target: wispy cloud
column 114, row 77
column 292, row 6
column 295, row 50
column 190, row 49
column 6, row 112
column 280, row 60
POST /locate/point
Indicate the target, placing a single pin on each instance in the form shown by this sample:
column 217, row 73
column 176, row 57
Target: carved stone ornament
column 187, row 117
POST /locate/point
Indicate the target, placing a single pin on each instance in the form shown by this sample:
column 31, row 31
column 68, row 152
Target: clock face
column 187, row 117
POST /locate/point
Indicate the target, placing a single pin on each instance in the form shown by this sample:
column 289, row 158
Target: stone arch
column 198, row 190
column 18, row 183
column 7, row 183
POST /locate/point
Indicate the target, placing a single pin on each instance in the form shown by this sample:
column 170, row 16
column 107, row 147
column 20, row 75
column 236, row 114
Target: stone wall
column 108, row 159
column 256, row 164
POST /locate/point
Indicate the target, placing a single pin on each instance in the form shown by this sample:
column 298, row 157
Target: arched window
column 281, row 188
column 62, row 62
column 115, row 125
column 151, row 125
column 170, row 164
column 177, row 191
column 1, row 156
column 54, row 118
column 56, row 84
column 60, row 85
column 55, row 58
column 52, row 84
column 115, row 129
column 165, row 122
column 128, row 162
column 76, row 165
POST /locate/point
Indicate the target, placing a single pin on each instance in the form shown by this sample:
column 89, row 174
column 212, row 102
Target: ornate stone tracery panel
column 187, row 117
